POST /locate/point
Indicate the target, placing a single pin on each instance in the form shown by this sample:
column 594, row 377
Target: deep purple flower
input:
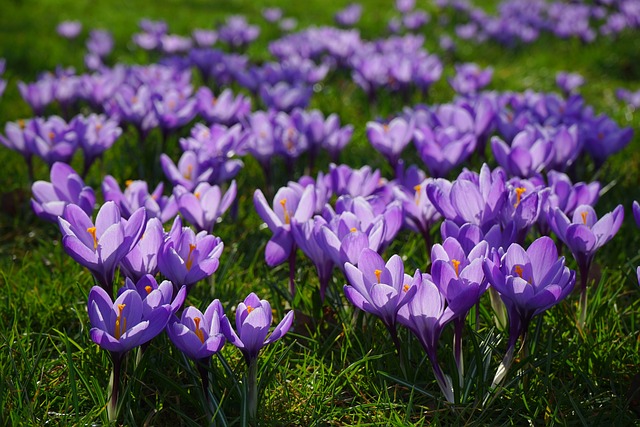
column 101, row 246
column 69, row 29
column 186, row 257
column 173, row 109
column 223, row 109
column 603, row 137
column 205, row 205
column 354, row 182
column 66, row 186
column 529, row 283
column 198, row 335
column 38, row 94
column 528, row 154
column 635, row 207
column 51, row 139
column 253, row 320
column 143, row 258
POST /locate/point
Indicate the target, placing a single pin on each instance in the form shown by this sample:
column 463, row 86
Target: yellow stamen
column 189, row 171
column 353, row 230
column 377, row 273
column 287, row 218
column 405, row 288
column 189, row 262
column 21, row 124
column 92, row 231
column 519, row 192
column 456, row 266
column 148, row 289
column 197, row 194
column 249, row 309
column 418, row 188
column 198, row 331
column 518, row 270
column 121, row 322
column 128, row 182
column 584, row 217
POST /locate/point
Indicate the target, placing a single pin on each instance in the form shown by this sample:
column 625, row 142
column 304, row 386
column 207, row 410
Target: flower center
column 148, row 289
column 417, row 188
column 189, row 171
column 198, row 331
column 287, row 218
column 518, row 270
column 197, row 194
column 189, row 262
column 128, row 182
column 377, row 273
column 405, row 288
column 584, row 217
column 121, row 322
column 456, row 266
column 92, row 231
column 21, row 124
column 519, row 192
column 353, row 229
column 249, row 309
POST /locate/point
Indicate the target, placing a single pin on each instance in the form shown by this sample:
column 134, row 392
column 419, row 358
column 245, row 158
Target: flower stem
column 584, row 277
column 292, row 271
column 393, row 331
column 202, row 365
column 457, row 348
column 252, row 392
column 114, row 386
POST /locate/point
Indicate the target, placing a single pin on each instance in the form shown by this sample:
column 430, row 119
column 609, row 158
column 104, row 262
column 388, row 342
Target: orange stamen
column 128, row 182
column 418, row 188
column 198, row 331
column 121, row 322
column 405, row 288
column 287, row 218
column 249, row 309
column 148, row 289
column 519, row 192
column 353, row 230
column 197, row 194
column 21, row 124
column 518, row 270
column 189, row 262
column 92, row 231
column 189, row 171
column 52, row 135
column 456, row 266
column 377, row 273
column 584, row 217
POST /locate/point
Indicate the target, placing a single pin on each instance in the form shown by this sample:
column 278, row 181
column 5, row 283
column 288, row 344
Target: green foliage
column 337, row 366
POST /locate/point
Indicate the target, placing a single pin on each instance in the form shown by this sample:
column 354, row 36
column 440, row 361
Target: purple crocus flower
column 584, row 234
column 154, row 294
column 426, row 315
column 569, row 82
column 635, row 207
column 100, row 42
column 391, row 138
column 204, row 38
column 69, row 29
column 470, row 78
column 38, row 94
column 308, row 237
column 204, row 207
column 529, row 282
column 237, row 32
column 136, row 195
column 143, row 258
column 121, row 325
column 473, row 198
column 349, row 16
column 66, row 186
column 189, row 172
column 51, row 139
column 272, row 14
column 15, row 139
column 198, row 335
column 186, row 257
column 378, row 288
column 223, row 109
column 631, row 98
column 603, row 137
column 101, row 246
column 528, row 154
column 253, row 320
column 354, row 182
column 288, row 204
column 96, row 134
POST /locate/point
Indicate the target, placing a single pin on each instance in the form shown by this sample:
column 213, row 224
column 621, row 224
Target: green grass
column 337, row 366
